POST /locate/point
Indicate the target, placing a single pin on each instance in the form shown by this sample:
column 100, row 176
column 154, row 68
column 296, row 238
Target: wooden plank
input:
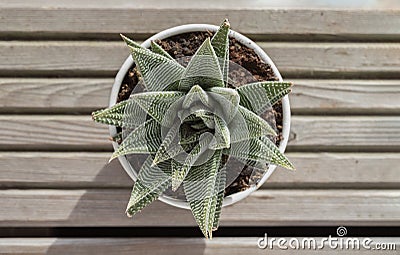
column 341, row 132
column 216, row 246
column 62, row 132
column 90, row 170
column 52, row 132
column 345, row 96
column 283, row 17
column 63, row 95
column 53, row 95
column 93, row 207
column 61, row 170
column 89, row 58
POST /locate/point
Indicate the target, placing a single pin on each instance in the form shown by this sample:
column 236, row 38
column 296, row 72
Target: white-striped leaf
column 146, row 138
column 222, row 134
column 261, row 150
column 220, row 43
column 203, row 186
column 157, row 49
column 157, row 103
column 248, row 125
column 180, row 169
column 115, row 115
column 151, row 182
column 130, row 42
column 195, row 95
column 168, row 148
column 259, row 96
column 225, row 102
column 158, row 72
column 203, row 69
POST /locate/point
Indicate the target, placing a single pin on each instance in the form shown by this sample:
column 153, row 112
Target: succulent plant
column 190, row 121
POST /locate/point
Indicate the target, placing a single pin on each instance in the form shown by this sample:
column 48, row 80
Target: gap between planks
column 138, row 17
column 308, row 133
column 83, row 95
column 91, row 170
column 166, row 246
column 294, row 60
column 101, row 208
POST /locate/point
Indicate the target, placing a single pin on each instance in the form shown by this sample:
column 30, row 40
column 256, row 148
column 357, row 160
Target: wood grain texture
column 197, row 246
column 262, row 208
column 52, row 132
column 345, row 96
column 351, row 132
column 66, row 95
column 137, row 17
column 89, row 58
column 63, row 132
column 53, row 95
column 90, row 170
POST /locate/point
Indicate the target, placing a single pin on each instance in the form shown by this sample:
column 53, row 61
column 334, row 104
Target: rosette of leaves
column 193, row 122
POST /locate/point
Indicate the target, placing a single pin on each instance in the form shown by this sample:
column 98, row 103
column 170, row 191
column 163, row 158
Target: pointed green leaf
column 203, row 69
column 181, row 169
column 222, row 134
column 158, row 103
column 189, row 135
column 247, row 125
column 259, row 96
column 167, row 148
column 195, row 95
column 157, row 49
column 130, row 42
column 203, row 186
column 260, row 150
column 220, row 43
column 115, row 115
column 225, row 102
column 158, row 72
column 146, row 138
column 151, row 182
column 220, row 182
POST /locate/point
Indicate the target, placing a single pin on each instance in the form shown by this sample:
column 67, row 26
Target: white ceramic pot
column 245, row 41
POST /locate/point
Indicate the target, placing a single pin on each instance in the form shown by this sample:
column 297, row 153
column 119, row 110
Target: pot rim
column 233, row 198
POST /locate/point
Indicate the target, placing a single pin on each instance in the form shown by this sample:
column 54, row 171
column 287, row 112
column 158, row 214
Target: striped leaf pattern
column 220, row 43
column 187, row 120
column 203, row 69
column 157, row 49
column 159, row 73
column 259, row 96
column 151, row 182
column 203, row 187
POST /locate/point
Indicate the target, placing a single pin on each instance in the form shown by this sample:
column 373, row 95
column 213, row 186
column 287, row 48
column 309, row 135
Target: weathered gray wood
column 282, row 17
column 197, row 246
column 263, row 208
column 52, row 132
column 307, row 133
column 61, row 170
column 53, row 95
column 293, row 59
column 88, row 170
column 345, row 96
column 352, row 132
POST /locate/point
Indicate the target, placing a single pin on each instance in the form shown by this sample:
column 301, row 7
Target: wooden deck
column 57, row 63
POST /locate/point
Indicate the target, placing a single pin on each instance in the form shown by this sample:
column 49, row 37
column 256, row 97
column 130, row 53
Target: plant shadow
column 99, row 223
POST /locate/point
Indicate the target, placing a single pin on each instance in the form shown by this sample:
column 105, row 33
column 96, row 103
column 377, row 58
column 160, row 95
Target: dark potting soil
column 185, row 45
